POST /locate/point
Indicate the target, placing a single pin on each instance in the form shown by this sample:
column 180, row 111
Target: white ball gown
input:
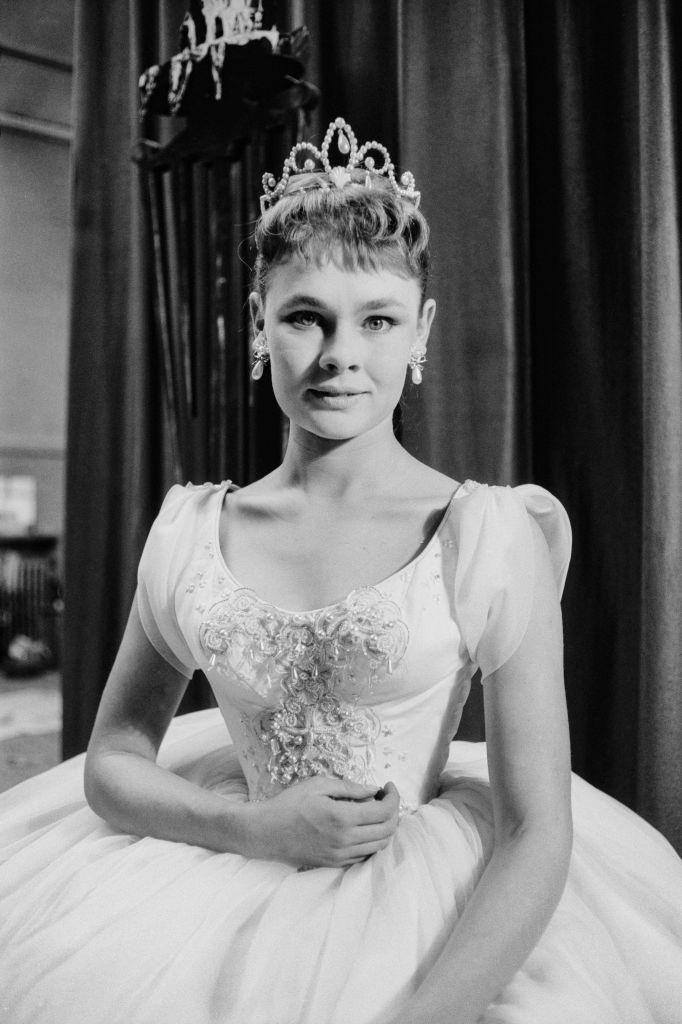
column 106, row 928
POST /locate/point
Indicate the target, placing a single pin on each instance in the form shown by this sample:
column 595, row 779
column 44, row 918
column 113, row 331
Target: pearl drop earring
column 260, row 355
column 417, row 360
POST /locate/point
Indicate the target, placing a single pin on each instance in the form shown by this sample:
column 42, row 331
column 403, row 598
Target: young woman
column 339, row 861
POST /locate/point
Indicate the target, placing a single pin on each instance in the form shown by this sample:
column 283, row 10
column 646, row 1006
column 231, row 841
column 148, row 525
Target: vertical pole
column 181, row 184
column 153, row 193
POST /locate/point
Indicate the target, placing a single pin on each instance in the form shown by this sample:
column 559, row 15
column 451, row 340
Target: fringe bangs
column 357, row 227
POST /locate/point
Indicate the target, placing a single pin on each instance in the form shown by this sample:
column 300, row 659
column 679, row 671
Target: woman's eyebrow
column 390, row 301
column 371, row 306
column 303, row 300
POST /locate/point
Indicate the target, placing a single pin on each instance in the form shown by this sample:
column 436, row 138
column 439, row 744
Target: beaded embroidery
column 321, row 661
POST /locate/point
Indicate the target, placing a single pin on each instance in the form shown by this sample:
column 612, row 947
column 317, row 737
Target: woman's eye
column 378, row 323
column 304, row 318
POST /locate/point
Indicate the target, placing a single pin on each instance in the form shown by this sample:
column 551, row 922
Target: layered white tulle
column 102, row 927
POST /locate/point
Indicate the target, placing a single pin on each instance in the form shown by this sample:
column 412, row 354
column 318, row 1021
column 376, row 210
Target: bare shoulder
column 427, row 486
column 419, row 500
column 262, row 497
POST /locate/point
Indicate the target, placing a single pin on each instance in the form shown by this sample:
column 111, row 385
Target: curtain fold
column 586, row 380
column 543, row 135
column 463, row 135
column 659, row 767
column 116, row 464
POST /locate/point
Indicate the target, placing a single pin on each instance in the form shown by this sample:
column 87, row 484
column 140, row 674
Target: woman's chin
column 336, row 431
column 341, row 427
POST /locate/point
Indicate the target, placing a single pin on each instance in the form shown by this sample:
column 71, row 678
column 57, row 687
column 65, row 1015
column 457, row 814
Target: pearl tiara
column 317, row 160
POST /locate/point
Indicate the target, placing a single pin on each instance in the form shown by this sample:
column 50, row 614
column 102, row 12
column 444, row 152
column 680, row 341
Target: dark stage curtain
column 543, row 136
column 116, row 460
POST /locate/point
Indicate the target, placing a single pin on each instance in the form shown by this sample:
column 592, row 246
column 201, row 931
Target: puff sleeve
column 495, row 570
column 157, row 575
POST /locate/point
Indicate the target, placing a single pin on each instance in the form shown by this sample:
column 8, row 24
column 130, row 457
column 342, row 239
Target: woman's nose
column 340, row 348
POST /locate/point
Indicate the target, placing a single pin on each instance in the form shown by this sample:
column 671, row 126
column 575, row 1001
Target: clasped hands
column 323, row 822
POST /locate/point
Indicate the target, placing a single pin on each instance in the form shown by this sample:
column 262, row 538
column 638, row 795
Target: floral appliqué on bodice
column 320, row 665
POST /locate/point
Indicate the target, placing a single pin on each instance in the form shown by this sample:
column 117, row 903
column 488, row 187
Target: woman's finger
column 372, row 833
column 344, row 789
column 362, row 851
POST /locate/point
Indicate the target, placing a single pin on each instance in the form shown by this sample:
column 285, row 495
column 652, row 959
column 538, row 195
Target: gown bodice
column 370, row 688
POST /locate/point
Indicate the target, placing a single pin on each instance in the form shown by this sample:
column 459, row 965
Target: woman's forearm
column 319, row 822
column 134, row 794
column 500, row 926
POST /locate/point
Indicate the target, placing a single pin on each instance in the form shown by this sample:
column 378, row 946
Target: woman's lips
column 334, row 399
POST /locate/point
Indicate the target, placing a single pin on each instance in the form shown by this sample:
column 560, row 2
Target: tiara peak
column 317, row 160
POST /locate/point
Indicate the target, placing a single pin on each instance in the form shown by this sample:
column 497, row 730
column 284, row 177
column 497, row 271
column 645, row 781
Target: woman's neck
column 335, row 469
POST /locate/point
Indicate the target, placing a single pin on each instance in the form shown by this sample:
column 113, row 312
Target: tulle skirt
column 106, row 928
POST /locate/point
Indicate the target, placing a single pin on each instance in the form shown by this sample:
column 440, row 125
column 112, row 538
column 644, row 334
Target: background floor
column 30, row 726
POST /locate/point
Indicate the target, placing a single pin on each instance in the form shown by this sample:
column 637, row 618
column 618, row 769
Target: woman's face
column 339, row 342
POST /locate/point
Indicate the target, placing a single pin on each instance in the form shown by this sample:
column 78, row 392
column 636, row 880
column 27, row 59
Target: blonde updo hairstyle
column 358, row 227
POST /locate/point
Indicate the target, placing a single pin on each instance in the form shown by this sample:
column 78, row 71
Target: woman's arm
column 529, row 763
column 320, row 821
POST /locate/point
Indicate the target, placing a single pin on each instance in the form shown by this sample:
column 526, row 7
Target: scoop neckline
column 227, row 486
